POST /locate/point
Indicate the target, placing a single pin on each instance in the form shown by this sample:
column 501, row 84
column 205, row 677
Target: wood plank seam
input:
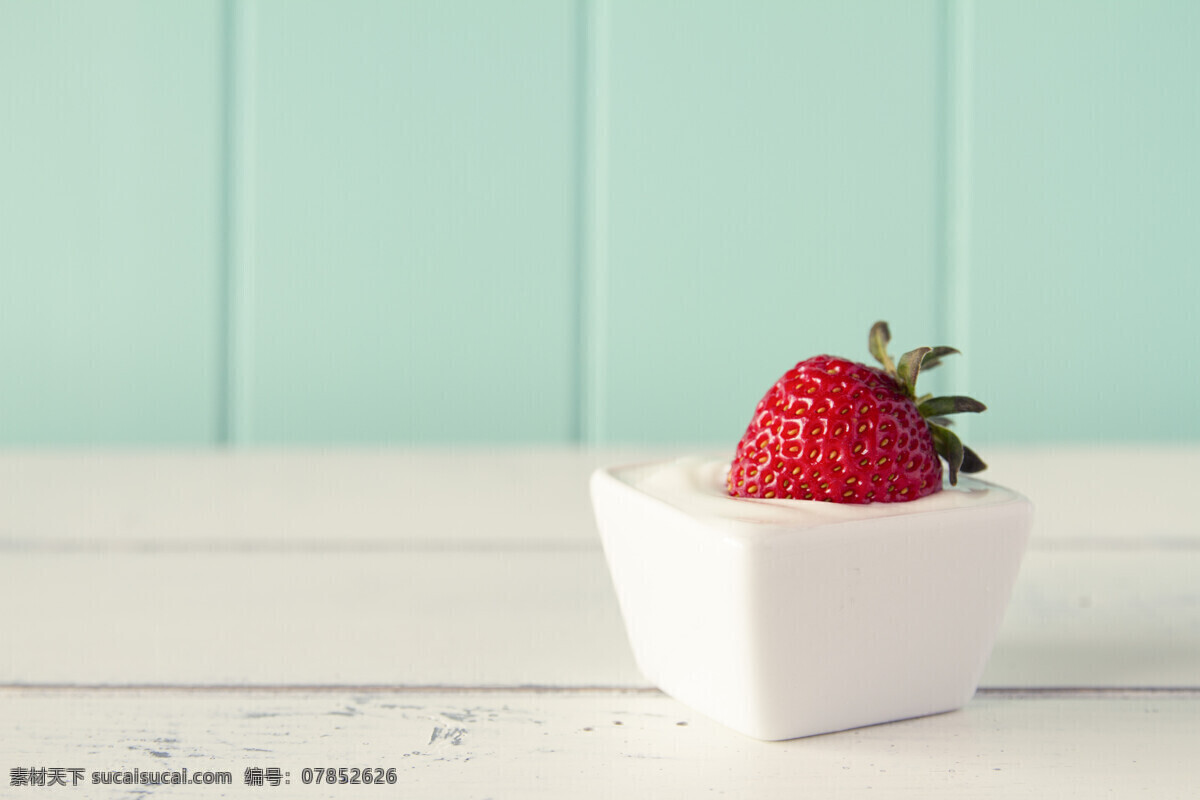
column 1002, row 692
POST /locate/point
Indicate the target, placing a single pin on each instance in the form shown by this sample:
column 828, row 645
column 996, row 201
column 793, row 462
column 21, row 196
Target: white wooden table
column 449, row 617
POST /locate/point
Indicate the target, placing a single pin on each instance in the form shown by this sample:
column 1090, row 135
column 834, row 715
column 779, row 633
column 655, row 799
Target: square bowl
column 786, row 618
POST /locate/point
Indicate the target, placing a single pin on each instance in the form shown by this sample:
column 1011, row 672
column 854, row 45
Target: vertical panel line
column 941, row 185
column 959, row 79
column 579, row 105
column 239, row 207
column 224, row 231
column 593, row 283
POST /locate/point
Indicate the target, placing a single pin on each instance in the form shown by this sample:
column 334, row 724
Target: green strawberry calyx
column 934, row 410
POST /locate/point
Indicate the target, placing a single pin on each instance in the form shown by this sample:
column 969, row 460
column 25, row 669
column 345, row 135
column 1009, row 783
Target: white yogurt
column 697, row 486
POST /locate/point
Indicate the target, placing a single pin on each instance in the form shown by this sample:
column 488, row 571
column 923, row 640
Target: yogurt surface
column 696, row 486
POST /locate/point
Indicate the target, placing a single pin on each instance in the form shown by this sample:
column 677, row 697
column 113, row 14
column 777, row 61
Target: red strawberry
column 832, row 429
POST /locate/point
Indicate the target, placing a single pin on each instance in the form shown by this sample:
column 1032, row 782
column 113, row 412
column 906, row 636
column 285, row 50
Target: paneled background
column 280, row 222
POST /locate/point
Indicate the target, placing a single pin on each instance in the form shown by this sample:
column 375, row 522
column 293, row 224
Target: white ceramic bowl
column 783, row 618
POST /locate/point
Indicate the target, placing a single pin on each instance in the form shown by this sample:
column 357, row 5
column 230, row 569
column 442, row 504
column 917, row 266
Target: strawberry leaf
column 971, row 461
column 877, row 343
column 934, row 358
column 949, row 447
column 910, row 367
column 956, row 404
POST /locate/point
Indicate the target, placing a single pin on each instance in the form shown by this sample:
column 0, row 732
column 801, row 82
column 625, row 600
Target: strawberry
column 840, row 431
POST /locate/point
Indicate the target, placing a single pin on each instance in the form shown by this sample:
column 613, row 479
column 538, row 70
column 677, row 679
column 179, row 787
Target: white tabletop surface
column 449, row 615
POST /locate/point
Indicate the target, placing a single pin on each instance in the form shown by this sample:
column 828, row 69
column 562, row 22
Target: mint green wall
column 404, row 197
column 110, row 222
column 1084, row 219
column 263, row 221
